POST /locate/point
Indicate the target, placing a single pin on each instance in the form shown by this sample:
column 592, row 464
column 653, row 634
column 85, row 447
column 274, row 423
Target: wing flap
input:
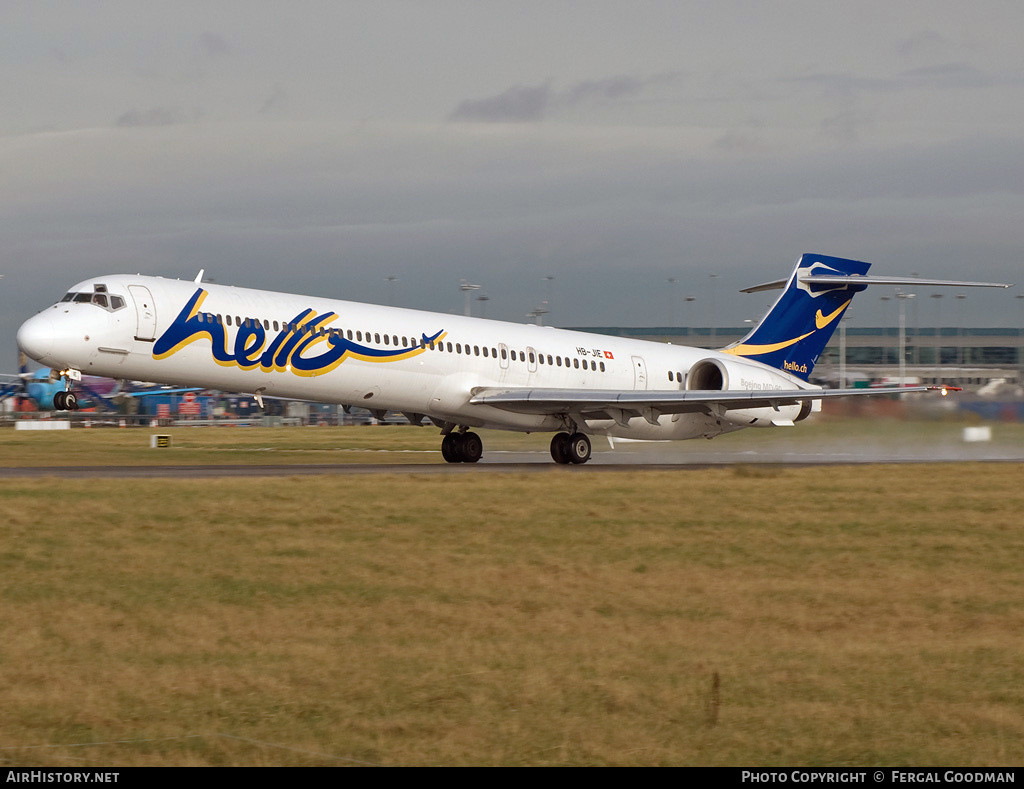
column 606, row 404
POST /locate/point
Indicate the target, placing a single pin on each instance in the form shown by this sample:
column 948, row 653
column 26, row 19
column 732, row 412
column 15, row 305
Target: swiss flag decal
column 608, row 355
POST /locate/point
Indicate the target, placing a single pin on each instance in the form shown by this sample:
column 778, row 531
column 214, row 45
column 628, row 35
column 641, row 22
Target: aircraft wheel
column 450, row 448
column 471, row 447
column 70, row 401
column 579, row 448
column 59, row 401
column 560, row 448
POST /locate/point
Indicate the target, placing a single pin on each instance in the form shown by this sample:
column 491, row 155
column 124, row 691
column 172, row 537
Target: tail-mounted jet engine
column 727, row 375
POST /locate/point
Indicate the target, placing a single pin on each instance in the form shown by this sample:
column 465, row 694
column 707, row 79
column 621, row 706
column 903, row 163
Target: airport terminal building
column 970, row 357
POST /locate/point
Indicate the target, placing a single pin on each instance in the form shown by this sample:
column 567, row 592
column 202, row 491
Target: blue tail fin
column 799, row 325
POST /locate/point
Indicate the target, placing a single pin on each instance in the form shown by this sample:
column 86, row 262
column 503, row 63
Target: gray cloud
column 275, row 101
column 942, row 76
column 157, row 116
column 213, row 45
column 525, row 104
column 925, row 43
column 843, row 126
column 518, row 104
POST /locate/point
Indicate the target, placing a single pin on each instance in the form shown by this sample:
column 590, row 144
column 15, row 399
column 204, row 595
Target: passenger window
column 679, row 378
column 602, row 367
column 559, row 360
column 405, row 341
column 386, row 340
column 349, row 334
column 494, row 353
column 550, row 361
column 522, row 357
column 504, row 355
column 476, row 350
column 229, row 320
column 531, row 358
column 266, row 324
column 458, row 347
column 593, row 366
column 376, row 338
column 539, row 356
column 359, row 336
column 449, row 347
column 576, row 363
column 394, row 339
column 485, row 350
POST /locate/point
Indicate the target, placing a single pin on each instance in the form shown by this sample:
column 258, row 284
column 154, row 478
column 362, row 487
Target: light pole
column 842, row 350
column 1020, row 352
column 539, row 313
column 885, row 311
column 713, row 321
column 671, row 301
column 689, row 300
column 391, row 280
column 466, row 288
column 938, row 335
column 960, row 297
column 903, row 334
column 483, row 298
column 550, row 279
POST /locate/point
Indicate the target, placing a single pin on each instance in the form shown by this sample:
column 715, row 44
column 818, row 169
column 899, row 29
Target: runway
column 510, row 463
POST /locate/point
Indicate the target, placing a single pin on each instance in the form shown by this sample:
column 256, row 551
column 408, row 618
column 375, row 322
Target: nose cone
column 35, row 337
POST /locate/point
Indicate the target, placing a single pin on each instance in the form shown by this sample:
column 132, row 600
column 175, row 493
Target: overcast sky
column 321, row 147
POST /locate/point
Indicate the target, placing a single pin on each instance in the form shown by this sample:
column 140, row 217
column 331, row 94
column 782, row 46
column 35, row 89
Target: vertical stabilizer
column 799, row 325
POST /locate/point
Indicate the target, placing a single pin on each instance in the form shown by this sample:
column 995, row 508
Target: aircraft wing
column 613, row 404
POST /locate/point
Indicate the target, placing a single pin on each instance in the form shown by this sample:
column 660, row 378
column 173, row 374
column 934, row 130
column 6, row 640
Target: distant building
column 972, row 356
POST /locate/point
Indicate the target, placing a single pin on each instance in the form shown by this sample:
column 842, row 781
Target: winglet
column 199, row 276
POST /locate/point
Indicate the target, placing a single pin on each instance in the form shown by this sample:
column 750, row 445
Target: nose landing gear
column 66, row 400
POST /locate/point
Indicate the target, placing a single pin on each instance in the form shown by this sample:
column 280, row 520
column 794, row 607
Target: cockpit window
column 99, row 296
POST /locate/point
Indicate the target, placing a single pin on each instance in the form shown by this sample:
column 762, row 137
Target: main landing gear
column 570, row 448
column 462, row 448
column 467, row 447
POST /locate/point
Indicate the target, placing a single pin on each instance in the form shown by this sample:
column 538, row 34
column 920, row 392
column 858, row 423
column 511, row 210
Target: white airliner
column 458, row 372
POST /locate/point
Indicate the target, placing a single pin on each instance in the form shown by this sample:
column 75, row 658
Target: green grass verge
column 852, row 616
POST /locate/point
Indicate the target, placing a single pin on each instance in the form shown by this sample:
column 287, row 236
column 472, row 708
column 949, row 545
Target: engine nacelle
column 730, row 375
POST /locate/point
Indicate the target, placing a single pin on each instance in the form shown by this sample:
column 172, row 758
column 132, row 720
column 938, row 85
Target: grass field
column 748, row 615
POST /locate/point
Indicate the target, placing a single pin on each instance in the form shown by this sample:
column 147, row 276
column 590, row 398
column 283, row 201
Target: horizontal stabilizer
column 859, row 279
